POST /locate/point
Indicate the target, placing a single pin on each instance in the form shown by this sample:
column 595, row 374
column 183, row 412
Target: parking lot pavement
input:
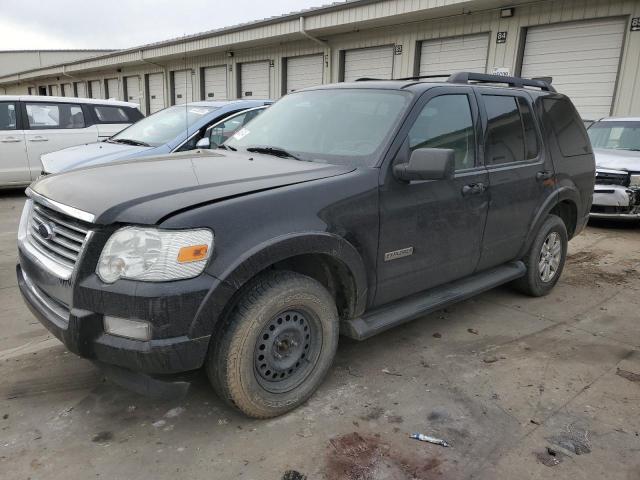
column 521, row 388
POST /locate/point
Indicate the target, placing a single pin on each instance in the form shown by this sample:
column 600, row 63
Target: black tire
column 277, row 345
column 534, row 283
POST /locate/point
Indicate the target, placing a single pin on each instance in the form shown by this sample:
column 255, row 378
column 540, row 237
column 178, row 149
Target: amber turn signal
column 192, row 253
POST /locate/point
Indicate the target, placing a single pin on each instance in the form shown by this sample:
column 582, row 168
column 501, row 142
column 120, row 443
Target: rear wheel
column 277, row 345
column 545, row 258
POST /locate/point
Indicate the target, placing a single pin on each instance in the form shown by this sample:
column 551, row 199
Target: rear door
column 521, row 174
column 14, row 164
column 52, row 126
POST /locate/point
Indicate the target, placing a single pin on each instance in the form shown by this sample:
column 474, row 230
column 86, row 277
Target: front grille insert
column 612, row 178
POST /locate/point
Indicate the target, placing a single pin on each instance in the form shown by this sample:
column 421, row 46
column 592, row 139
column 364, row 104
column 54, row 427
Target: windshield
column 340, row 126
column 163, row 126
column 615, row 135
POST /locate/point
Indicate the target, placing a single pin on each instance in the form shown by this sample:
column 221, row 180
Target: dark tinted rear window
column 567, row 126
column 505, row 142
column 106, row 114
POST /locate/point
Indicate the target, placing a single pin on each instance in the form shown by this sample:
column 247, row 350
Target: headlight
column 635, row 181
column 154, row 255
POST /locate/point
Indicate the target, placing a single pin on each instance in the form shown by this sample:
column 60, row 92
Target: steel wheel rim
column 550, row 257
column 287, row 350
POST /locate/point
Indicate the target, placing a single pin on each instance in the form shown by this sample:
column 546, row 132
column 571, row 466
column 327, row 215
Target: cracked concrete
column 555, row 380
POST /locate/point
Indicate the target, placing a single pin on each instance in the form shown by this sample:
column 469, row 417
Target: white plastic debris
column 427, row 438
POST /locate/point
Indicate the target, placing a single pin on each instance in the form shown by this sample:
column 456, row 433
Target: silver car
column 616, row 144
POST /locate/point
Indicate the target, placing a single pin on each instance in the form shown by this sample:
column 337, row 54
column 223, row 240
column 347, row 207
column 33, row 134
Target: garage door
column 95, row 89
column 81, row 90
column 132, row 86
column 444, row 56
column 303, row 72
column 156, row 92
column 182, row 87
column 113, row 88
column 67, row 90
column 214, row 81
column 582, row 58
column 53, row 90
column 254, row 80
column 376, row 62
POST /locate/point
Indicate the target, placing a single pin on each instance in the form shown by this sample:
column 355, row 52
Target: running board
column 405, row 310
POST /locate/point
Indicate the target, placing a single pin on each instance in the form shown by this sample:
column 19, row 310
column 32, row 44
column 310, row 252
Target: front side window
column 8, row 116
column 615, row 135
column 110, row 114
column 54, row 115
column 446, row 122
column 340, row 126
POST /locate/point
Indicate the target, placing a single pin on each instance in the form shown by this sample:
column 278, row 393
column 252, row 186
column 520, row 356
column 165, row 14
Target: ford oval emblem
column 46, row 231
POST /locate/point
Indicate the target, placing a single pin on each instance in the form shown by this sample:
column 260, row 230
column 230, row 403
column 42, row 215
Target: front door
column 14, row 166
column 431, row 231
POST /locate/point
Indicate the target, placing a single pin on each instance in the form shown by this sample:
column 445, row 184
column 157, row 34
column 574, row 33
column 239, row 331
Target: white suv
column 31, row 126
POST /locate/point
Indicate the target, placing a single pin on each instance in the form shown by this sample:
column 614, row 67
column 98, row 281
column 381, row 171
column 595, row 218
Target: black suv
column 343, row 209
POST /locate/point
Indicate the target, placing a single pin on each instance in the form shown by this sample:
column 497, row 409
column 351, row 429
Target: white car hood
column 617, row 159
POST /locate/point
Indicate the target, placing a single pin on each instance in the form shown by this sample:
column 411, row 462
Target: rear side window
column 110, row 114
column 8, row 116
column 54, row 115
column 511, row 131
column 567, row 126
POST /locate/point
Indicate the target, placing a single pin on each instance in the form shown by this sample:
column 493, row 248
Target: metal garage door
column 467, row 53
column 132, row 86
column 583, row 59
column 53, row 90
column 214, row 83
column 95, row 89
column 375, row 62
column 113, row 88
column 67, row 90
column 81, row 90
column 182, row 87
column 304, row 72
column 156, row 92
column 254, row 80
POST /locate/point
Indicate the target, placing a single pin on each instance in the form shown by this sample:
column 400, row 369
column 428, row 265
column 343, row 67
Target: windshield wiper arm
column 275, row 151
column 129, row 141
column 227, row 147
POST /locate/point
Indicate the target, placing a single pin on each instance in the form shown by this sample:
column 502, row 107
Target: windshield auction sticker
column 241, row 134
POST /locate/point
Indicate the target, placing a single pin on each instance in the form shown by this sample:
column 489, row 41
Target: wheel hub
column 550, row 257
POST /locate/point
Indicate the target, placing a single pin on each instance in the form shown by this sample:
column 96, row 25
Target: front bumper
column 616, row 202
column 82, row 333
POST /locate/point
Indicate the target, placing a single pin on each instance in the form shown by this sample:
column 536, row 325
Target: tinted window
column 54, row 115
column 567, row 126
column 505, row 139
column 530, row 134
column 8, row 116
column 111, row 114
column 446, row 122
column 221, row 132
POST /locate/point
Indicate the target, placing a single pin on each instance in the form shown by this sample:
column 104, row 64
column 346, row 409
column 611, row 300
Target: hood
column 617, row 159
column 90, row 154
column 147, row 190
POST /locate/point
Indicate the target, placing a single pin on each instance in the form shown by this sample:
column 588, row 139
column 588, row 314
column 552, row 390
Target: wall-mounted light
column 229, row 54
column 506, row 12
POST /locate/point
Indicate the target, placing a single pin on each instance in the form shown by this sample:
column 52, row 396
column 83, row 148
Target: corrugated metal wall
column 405, row 35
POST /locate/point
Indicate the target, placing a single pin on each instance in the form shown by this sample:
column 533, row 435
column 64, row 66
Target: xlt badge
column 403, row 252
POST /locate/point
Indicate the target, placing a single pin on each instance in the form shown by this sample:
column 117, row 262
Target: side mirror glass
column 204, row 143
column 427, row 164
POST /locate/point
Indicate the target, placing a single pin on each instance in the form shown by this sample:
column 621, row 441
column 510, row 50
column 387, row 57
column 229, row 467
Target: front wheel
column 545, row 258
column 276, row 346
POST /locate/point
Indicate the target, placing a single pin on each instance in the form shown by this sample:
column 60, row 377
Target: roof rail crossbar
column 369, row 79
column 517, row 82
column 420, row 77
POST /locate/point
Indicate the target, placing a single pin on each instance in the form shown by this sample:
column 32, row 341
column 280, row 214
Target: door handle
column 544, row 175
column 10, row 140
column 473, row 189
column 38, row 139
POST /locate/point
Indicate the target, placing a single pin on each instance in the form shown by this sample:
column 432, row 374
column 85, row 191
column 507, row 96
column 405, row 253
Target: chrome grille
column 58, row 237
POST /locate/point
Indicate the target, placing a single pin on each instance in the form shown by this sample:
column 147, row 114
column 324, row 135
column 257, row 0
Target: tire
column 276, row 346
column 536, row 282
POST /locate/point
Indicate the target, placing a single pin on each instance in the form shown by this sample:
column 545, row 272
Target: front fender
column 262, row 256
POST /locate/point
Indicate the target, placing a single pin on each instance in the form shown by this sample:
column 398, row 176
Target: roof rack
column 517, row 82
column 369, row 79
column 420, row 77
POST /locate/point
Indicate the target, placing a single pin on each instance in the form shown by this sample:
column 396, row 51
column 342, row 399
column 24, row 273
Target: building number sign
column 501, row 37
column 635, row 24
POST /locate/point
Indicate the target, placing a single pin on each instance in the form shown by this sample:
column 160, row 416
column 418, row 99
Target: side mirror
column 204, row 142
column 427, row 164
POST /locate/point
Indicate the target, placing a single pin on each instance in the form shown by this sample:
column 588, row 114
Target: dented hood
column 147, row 190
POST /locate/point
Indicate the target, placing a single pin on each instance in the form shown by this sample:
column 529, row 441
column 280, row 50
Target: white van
column 33, row 125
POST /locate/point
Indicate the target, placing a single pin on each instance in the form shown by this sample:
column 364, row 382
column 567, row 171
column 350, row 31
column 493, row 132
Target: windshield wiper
column 275, row 151
column 227, row 147
column 129, row 141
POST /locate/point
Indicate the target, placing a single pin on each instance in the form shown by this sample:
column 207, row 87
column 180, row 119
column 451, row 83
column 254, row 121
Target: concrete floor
column 501, row 377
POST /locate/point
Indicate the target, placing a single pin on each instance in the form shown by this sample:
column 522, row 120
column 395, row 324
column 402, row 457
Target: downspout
column 324, row 44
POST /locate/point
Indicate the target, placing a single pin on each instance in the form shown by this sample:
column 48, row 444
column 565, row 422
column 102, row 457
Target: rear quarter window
column 109, row 114
column 567, row 126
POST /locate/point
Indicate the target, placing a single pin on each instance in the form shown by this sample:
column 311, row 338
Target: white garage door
column 95, row 88
column 445, row 56
column 582, row 58
column 303, row 72
column 132, row 85
column 67, row 90
column 113, row 88
column 375, row 62
column 254, row 80
column 182, row 87
column 156, row 92
column 81, row 89
column 53, row 90
column 215, row 83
